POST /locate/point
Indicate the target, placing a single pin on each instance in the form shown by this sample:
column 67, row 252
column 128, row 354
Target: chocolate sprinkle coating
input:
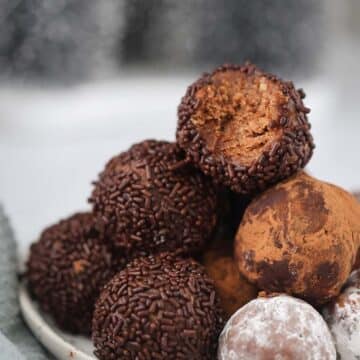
column 66, row 269
column 158, row 307
column 149, row 200
column 283, row 155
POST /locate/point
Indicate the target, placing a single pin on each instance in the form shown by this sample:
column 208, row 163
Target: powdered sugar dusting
column 343, row 317
column 280, row 328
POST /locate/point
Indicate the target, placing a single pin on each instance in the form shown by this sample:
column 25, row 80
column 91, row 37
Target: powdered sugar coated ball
column 343, row 318
column 280, row 328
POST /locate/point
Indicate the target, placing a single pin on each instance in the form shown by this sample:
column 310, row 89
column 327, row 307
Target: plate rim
column 45, row 334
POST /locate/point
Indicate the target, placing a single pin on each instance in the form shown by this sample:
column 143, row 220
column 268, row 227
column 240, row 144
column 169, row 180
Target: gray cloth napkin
column 16, row 341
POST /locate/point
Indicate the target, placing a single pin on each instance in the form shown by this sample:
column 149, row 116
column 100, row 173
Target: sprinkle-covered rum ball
column 149, row 200
column 300, row 237
column 158, row 307
column 244, row 128
column 66, row 269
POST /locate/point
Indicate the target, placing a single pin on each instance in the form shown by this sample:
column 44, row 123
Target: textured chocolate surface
column 149, row 199
column 66, row 269
column 300, row 237
column 245, row 128
column 158, row 307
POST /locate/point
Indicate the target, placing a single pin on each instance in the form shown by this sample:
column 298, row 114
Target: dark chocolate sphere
column 245, row 128
column 66, row 269
column 149, row 200
column 158, row 307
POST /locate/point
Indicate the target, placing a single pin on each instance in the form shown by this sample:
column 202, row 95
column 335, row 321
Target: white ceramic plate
column 62, row 345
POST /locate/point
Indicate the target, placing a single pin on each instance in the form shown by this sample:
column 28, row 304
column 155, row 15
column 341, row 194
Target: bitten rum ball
column 158, row 307
column 233, row 289
column 149, row 200
column 66, row 269
column 300, row 237
column 245, row 128
column 343, row 318
column 279, row 327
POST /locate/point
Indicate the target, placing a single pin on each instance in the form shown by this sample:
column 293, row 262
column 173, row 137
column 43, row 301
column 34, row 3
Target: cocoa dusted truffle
column 245, row 128
column 149, row 200
column 343, row 318
column 233, row 289
column 158, row 307
column 66, row 269
column 300, row 237
column 279, row 327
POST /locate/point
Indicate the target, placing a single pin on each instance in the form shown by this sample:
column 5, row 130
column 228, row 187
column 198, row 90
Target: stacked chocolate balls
column 156, row 268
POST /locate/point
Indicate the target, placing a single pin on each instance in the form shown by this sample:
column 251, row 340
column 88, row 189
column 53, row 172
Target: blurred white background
column 57, row 130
